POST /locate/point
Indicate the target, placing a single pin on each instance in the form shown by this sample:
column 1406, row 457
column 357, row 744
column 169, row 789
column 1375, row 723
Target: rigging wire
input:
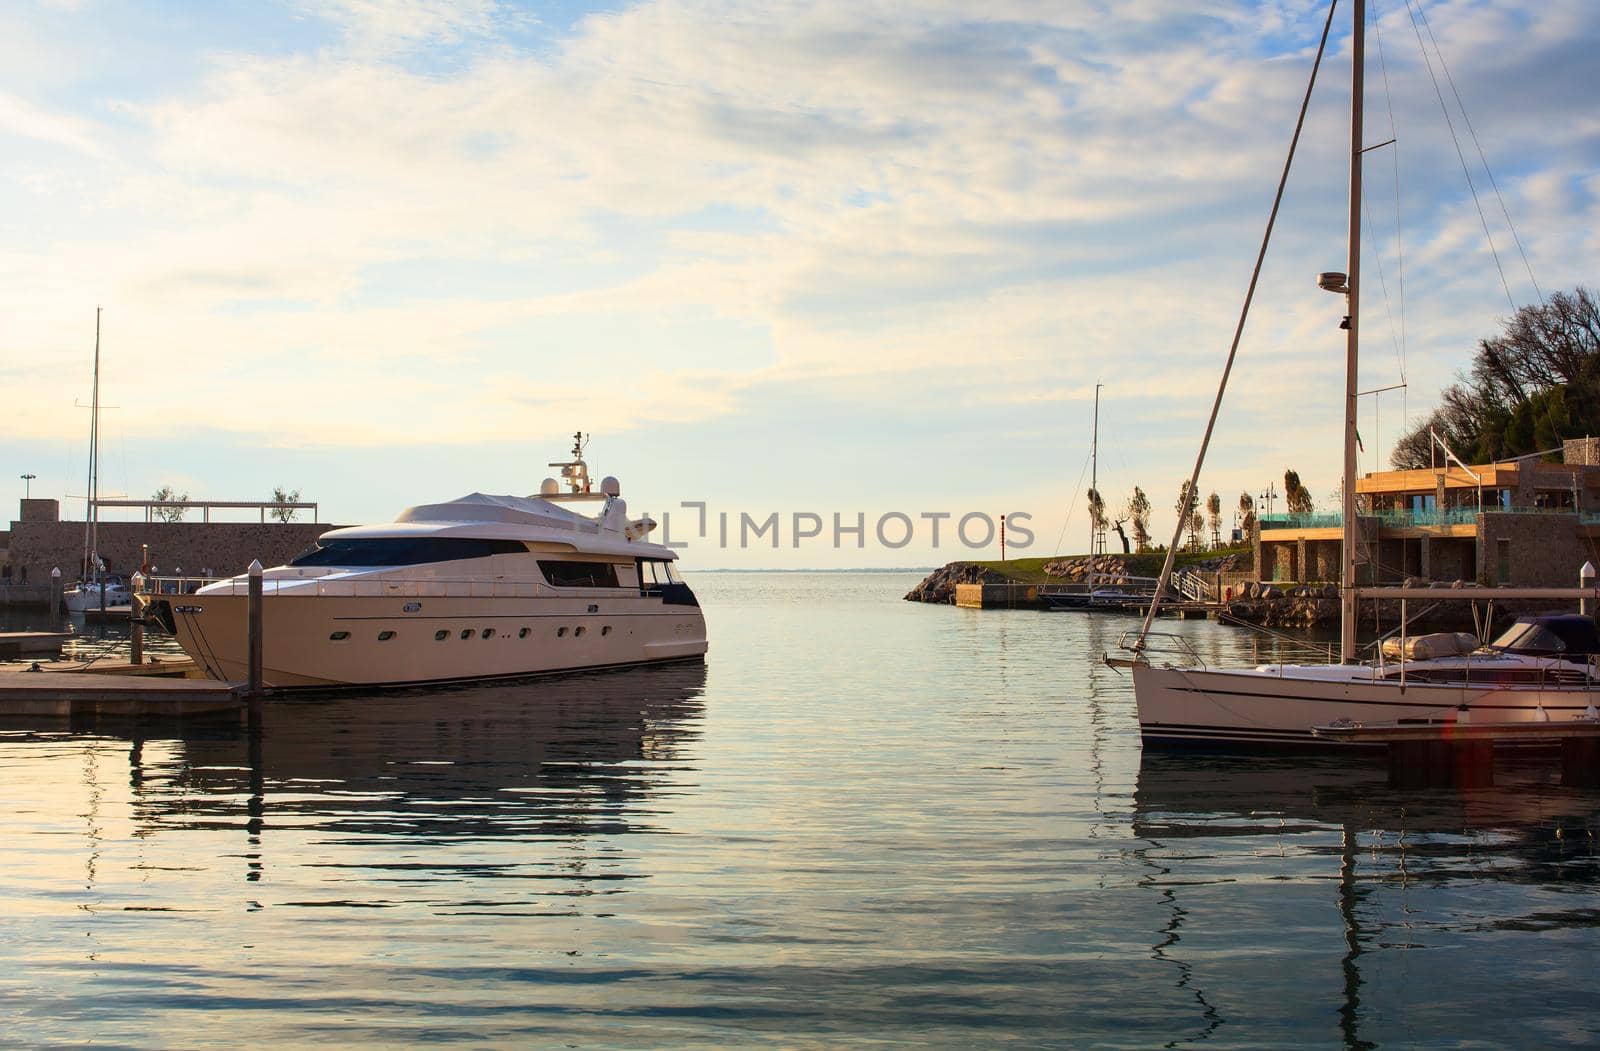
column 1462, row 157
column 1467, row 119
column 1076, row 490
column 1399, row 242
column 1238, row 332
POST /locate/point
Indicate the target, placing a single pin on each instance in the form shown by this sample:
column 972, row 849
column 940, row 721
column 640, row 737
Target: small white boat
column 481, row 587
column 91, row 595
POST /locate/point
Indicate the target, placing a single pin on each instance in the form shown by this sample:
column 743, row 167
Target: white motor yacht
column 482, row 587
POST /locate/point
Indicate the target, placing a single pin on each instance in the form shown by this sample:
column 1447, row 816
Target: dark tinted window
column 580, row 574
column 404, row 551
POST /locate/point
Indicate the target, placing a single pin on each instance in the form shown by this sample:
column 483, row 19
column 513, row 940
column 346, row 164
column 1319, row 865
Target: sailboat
column 1541, row 669
column 92, row 591
column 1092, row 596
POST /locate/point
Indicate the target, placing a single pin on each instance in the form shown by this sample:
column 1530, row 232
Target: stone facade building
column 1519, row 522
column 39, row 541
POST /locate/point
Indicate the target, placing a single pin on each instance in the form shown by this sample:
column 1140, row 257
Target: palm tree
column 1097, row 521
column 1247, row 514
column 1214, row 518
column 1296, row 496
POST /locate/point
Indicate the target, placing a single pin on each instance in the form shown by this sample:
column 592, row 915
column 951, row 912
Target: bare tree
column 1188, row 508
column 1137, row 511
column 1097, row 521
column 1533, row 385
column 283, row 496
column 166, row 494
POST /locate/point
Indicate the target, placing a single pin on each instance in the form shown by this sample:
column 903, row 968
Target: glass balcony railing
column 1413, row 519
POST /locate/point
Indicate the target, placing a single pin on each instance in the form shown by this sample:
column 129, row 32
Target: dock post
column 136, row 620
column 55, row 599
column 253, row 626
column 1585, row 581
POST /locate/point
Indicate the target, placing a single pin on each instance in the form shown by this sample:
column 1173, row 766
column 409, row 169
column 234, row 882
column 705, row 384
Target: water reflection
column 435, row 775
column 1320, row 857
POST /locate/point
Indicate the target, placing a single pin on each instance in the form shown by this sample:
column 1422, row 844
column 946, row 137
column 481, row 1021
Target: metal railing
column 1406, row 519
column 265, row 507
column 379, row 587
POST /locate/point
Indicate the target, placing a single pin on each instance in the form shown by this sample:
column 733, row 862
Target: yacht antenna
column 575, row 472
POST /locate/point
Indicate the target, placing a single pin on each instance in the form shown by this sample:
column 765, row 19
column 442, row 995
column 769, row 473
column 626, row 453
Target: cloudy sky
column 846, row 258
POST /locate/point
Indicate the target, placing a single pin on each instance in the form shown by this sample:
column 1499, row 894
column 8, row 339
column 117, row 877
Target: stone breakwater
column 939, row 587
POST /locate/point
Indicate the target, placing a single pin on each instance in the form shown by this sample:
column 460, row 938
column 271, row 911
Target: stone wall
column 1545, row 551
column 1581, row 451
column 225, row 548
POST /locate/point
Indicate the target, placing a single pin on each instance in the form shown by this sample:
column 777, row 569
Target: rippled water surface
column 862, row 820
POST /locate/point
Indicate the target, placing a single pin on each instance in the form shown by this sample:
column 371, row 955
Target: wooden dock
column 1461, row 755
column 32, row 643
column 54, row 695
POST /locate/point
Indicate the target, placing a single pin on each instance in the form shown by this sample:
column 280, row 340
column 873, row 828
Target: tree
column 1137, row 511
column 1097, row 521
column 167, row 494
column 1214, row 518
column 1297, row 497
column 1188, row 508
column 1529, row 388
column 282, row 496
column 1247, row 514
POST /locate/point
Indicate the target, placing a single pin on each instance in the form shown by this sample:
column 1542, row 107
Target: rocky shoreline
column 1300, row 607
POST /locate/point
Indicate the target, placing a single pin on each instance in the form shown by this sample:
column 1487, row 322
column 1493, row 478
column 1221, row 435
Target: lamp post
column 27, row 485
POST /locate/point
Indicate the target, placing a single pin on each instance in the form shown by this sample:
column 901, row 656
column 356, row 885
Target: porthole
column 466, row 633
column 522, row 634
column 385, row 636
column 561, row 633
column 606, row 630
column 577, row 633
column 487, row 633
column 339, row 636
column 441, row 635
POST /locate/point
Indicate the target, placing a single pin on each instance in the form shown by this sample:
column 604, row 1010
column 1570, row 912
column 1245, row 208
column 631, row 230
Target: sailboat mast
column 1351, row 527
column 1094, row 479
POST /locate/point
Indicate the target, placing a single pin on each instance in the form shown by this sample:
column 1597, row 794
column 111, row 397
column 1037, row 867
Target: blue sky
column 853, row 258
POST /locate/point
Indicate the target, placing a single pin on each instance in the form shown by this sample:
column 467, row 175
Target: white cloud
column 921, row 206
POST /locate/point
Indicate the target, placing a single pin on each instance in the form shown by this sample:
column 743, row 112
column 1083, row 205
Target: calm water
column 862, row 820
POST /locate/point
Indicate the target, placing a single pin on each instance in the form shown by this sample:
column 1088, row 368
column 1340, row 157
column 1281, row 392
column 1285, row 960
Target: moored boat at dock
column 481, row 587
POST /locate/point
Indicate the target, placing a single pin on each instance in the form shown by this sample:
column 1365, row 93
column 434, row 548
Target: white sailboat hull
column 1203, row 707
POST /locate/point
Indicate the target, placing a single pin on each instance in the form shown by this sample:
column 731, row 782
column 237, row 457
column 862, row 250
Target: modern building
column 1523, row 522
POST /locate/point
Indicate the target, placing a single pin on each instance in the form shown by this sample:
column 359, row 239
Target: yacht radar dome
column 549, row 487
column 610, row 486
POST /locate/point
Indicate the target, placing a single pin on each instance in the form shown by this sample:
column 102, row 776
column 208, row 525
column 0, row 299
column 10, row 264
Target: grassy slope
column 1031, row 570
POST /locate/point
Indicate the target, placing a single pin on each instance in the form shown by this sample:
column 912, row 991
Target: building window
column 385, row 636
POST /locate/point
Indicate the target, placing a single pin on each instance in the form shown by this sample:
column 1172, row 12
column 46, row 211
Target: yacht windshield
column 404, row 551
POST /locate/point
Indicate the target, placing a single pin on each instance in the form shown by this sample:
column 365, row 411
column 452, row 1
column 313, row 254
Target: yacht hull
column 326, row 641
column 1205, row 708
